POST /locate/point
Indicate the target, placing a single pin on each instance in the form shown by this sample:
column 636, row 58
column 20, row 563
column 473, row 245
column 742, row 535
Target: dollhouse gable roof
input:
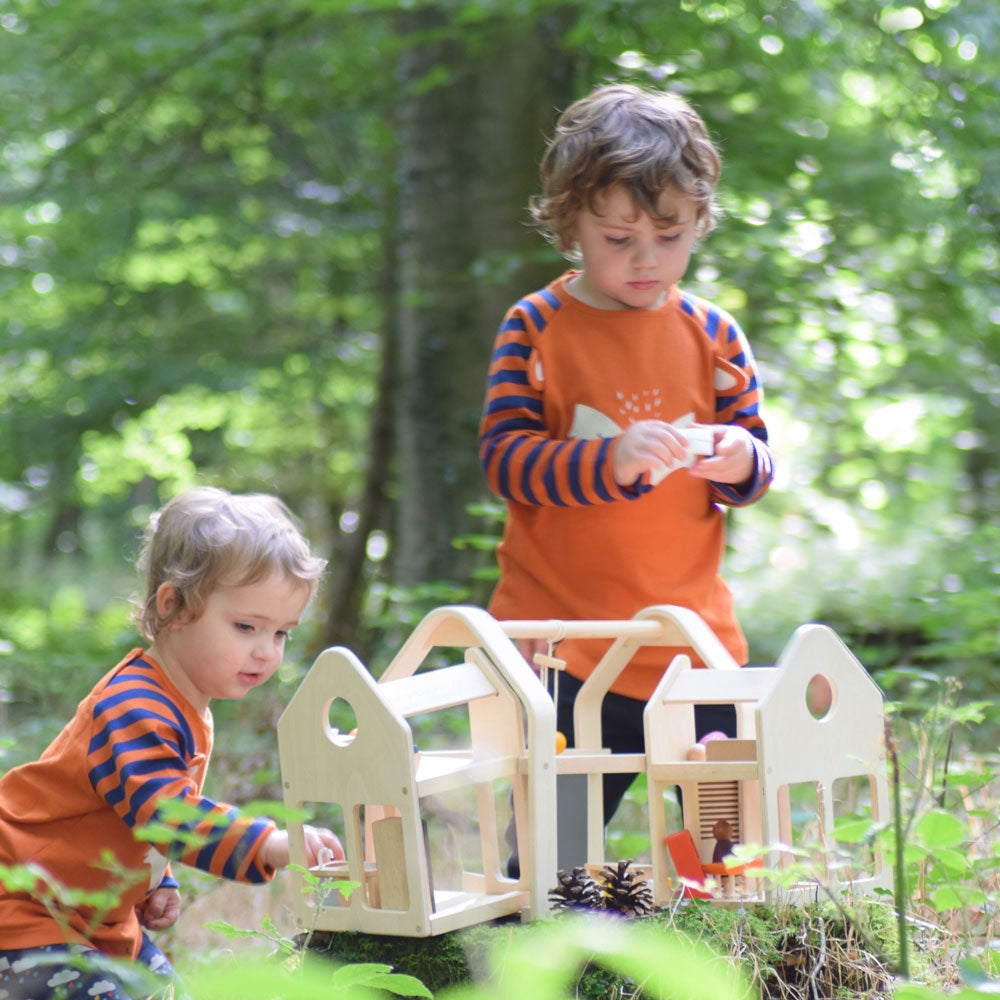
column 798, row 743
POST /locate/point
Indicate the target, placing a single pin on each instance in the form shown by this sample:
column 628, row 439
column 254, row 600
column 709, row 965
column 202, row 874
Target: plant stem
column 900, row 872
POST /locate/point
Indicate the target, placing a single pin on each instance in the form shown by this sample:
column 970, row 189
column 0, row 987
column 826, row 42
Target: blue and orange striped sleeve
column 138, row 760
column 522, row 462
column 740, row 406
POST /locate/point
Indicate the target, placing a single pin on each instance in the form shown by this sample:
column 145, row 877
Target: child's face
column 235, row 644
column 630, row 260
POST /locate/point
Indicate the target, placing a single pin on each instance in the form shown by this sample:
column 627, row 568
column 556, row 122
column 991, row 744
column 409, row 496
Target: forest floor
column 780, row 963
column 245, row 907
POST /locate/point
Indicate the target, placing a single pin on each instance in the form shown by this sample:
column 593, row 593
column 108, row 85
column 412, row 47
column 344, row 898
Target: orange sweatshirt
column 565, row 380
column 73, row 814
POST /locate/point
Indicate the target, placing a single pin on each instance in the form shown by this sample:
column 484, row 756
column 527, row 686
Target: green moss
column 437, row 962
column 777, row 946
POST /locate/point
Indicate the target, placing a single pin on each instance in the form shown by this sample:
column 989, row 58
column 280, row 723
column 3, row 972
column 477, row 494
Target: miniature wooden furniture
column 379, row 782
column 695, row 872
column 687, row 863
column 780, row 743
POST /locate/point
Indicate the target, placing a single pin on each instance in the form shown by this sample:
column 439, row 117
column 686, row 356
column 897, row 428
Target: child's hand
column 528, row 647
column 318, row 838
column 735, row 459
column 160, row 909
column 275, row 853
column 645, row 447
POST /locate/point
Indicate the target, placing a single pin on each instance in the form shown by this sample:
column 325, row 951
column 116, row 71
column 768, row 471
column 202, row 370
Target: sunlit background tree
column 267, row 247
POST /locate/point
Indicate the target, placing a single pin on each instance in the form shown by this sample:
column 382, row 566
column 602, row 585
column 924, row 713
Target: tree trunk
column 469, row 151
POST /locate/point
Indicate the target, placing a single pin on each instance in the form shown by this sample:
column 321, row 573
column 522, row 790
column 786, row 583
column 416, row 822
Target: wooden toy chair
column 695, row 872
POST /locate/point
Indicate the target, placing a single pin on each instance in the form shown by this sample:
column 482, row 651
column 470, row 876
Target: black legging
column 622, row 731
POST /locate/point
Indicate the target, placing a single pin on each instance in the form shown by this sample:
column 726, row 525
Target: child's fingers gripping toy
column 701, row 441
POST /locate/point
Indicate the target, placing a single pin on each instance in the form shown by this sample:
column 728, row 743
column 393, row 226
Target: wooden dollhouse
column 810, row 727
column 379, row 779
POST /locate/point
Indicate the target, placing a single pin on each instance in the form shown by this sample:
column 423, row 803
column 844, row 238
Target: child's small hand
column 645, row 447
column 318, row 839
column 528, row 647
column 160, row 909
column 275, row 853
column 735, row 458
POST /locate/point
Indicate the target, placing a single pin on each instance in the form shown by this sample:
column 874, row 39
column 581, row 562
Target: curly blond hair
column 207, row 538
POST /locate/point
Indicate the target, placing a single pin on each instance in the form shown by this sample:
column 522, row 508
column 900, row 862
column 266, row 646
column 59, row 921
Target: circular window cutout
column 341, row 723
column 821, row 694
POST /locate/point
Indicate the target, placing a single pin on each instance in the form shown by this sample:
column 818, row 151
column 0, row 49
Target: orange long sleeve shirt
column 565, row 380
column 133, row 743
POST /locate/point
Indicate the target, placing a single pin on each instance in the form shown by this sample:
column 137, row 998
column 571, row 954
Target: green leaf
column 358, row 972
column 378, row 976
column 228, row 930
column 938, row 828
column 956, row 863
column 541, row 965
column 852, row 831
column 956, row 898
column 400, row 985
column 974, row 973
column 914, row 991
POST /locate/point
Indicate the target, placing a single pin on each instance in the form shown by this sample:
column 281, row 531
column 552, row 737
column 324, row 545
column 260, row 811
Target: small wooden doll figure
column 723, row 833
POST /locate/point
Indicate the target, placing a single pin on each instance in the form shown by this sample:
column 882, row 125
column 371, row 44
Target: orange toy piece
column 560, row 742
column 687, row 864
column 720, row 868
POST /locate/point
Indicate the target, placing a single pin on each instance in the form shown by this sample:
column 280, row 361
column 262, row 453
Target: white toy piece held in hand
column 701, row 441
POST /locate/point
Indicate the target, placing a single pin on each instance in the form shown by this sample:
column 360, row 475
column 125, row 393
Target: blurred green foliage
column 196, row 239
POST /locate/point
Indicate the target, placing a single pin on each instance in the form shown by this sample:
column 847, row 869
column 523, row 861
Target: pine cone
column 575, row 892
column 623, row 892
